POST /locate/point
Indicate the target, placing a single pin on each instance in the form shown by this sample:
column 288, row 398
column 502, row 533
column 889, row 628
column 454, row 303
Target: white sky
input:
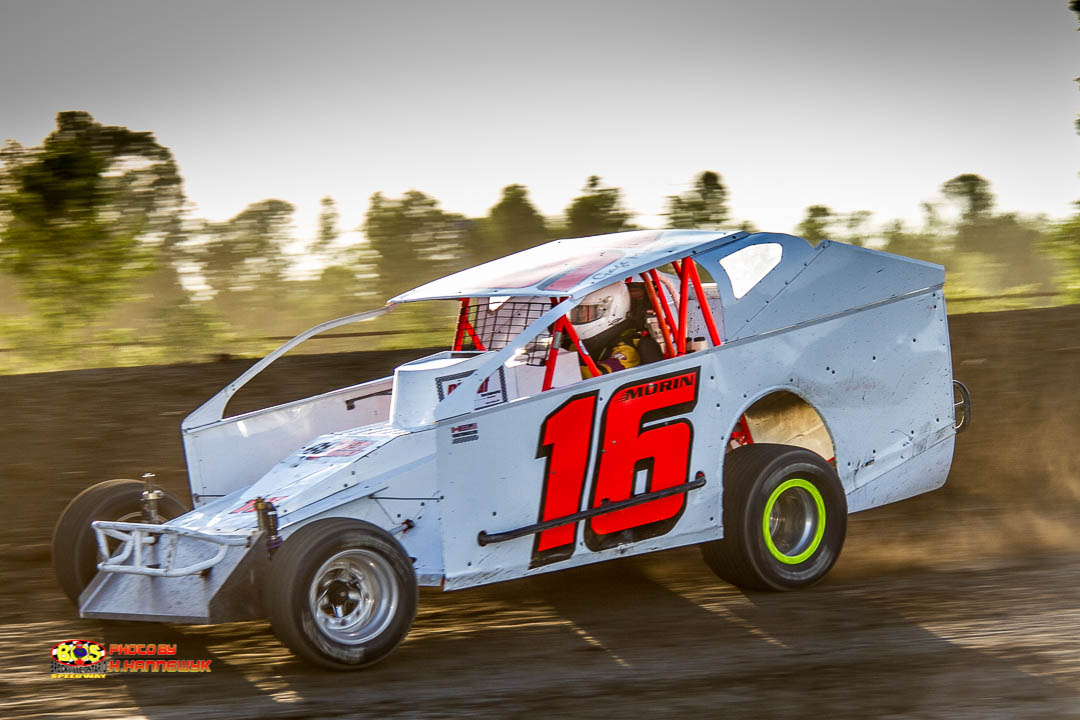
column 856, row 104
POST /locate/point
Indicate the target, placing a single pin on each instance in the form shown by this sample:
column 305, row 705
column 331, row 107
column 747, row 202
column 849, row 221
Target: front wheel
column 341, row 594
column 785, row 517
column 74, row 544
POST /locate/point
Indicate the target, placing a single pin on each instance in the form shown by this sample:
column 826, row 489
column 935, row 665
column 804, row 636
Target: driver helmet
column 601, row 310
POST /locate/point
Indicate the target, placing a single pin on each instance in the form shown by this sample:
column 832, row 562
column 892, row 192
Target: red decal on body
column 559, row 273
column 565, row 274
column 567, row 281
column 249, row 506
column 565, row 440
column 636, row 437
column 633, row 442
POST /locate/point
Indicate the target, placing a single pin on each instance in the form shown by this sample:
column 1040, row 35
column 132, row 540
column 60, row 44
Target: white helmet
column 601, row 310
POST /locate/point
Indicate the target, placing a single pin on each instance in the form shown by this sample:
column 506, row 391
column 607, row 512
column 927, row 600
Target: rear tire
column 341, row 594
column 74, row 546
column 785, row 517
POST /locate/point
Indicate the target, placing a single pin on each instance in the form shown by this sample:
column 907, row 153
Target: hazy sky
column 857, row 104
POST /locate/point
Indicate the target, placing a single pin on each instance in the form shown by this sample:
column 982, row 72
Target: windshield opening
column 493, row 323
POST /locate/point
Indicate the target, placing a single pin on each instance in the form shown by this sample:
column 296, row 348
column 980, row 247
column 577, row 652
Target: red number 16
column 636, row 436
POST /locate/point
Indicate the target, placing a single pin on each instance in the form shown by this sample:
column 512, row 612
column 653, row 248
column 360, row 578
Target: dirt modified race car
column 792, row 385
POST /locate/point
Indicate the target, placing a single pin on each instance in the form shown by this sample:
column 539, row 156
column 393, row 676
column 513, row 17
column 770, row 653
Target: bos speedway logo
column 78, row 659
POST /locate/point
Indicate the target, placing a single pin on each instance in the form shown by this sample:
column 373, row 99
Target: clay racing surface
column 964, row 603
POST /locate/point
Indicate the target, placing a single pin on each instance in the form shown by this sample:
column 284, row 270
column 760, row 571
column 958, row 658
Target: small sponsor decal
column 660, row 386
column 336, row 448
column 84, row 659
column 249, row 506
column 349, row 444
column 491, row 392
column 464, row 433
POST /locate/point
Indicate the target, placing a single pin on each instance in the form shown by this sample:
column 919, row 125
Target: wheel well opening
column 786, row 419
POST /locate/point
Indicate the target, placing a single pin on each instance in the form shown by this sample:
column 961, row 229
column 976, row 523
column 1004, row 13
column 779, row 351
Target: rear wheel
column 785, row 517
column 74, row 546
column 342, row 593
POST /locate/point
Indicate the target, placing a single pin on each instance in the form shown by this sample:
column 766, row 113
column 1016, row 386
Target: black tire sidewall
column 808, row 466
column 293, row 571
column 74, row 546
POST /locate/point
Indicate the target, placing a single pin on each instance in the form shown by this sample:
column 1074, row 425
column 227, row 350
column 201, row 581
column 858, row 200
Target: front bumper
column 170, row 574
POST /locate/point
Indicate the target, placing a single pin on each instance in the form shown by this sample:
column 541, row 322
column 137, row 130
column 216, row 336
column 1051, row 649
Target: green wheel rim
column 798, row 486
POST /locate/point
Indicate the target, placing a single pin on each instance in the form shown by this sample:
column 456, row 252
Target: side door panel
column 608, row 440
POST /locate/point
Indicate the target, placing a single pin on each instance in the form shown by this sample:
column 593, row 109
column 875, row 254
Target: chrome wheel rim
column 794, row 521
column 353, row 597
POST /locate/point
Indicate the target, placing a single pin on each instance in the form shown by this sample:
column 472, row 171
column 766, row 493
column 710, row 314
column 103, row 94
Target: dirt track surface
column 964, row 603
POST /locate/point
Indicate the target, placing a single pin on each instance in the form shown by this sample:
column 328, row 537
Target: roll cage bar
column 674, row 324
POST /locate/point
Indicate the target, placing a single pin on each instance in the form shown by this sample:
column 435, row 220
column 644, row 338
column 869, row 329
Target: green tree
column 1012, row 245
column 515, row 222
column 328, row 225
column 1074, row 5
column 821, row 223
column 1063, row 243
column 337, row 291
column 415, row 239
column 972, row 192
column 247, row 249
column 87, row 212
column 815, row 226
column 511, row 225
column 161, row 300
column 243, row 262
column 596, row 211
column 855, row 230
column 703, row 207
column 920, row 244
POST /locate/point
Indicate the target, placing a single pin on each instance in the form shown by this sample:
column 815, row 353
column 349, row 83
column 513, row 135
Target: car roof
column 571, row 267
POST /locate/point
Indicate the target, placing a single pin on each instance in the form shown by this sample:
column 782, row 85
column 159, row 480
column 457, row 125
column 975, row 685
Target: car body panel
column 229, row 454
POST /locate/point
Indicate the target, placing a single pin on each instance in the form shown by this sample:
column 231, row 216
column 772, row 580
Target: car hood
column 330, row 470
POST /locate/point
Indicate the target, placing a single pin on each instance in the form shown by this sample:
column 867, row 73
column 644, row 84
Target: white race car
column 792, row 385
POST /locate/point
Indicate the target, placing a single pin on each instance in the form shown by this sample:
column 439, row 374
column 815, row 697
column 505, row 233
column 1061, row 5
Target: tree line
column 99, row 250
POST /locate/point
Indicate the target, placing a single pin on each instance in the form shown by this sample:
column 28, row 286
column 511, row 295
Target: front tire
column 785, row 518
column 341, row 594
column 74, row 545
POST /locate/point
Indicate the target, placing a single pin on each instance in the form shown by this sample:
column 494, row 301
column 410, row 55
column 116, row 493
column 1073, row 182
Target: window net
column 497, row 321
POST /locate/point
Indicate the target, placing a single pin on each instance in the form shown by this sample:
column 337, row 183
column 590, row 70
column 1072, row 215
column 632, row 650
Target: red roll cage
column 673, row 325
